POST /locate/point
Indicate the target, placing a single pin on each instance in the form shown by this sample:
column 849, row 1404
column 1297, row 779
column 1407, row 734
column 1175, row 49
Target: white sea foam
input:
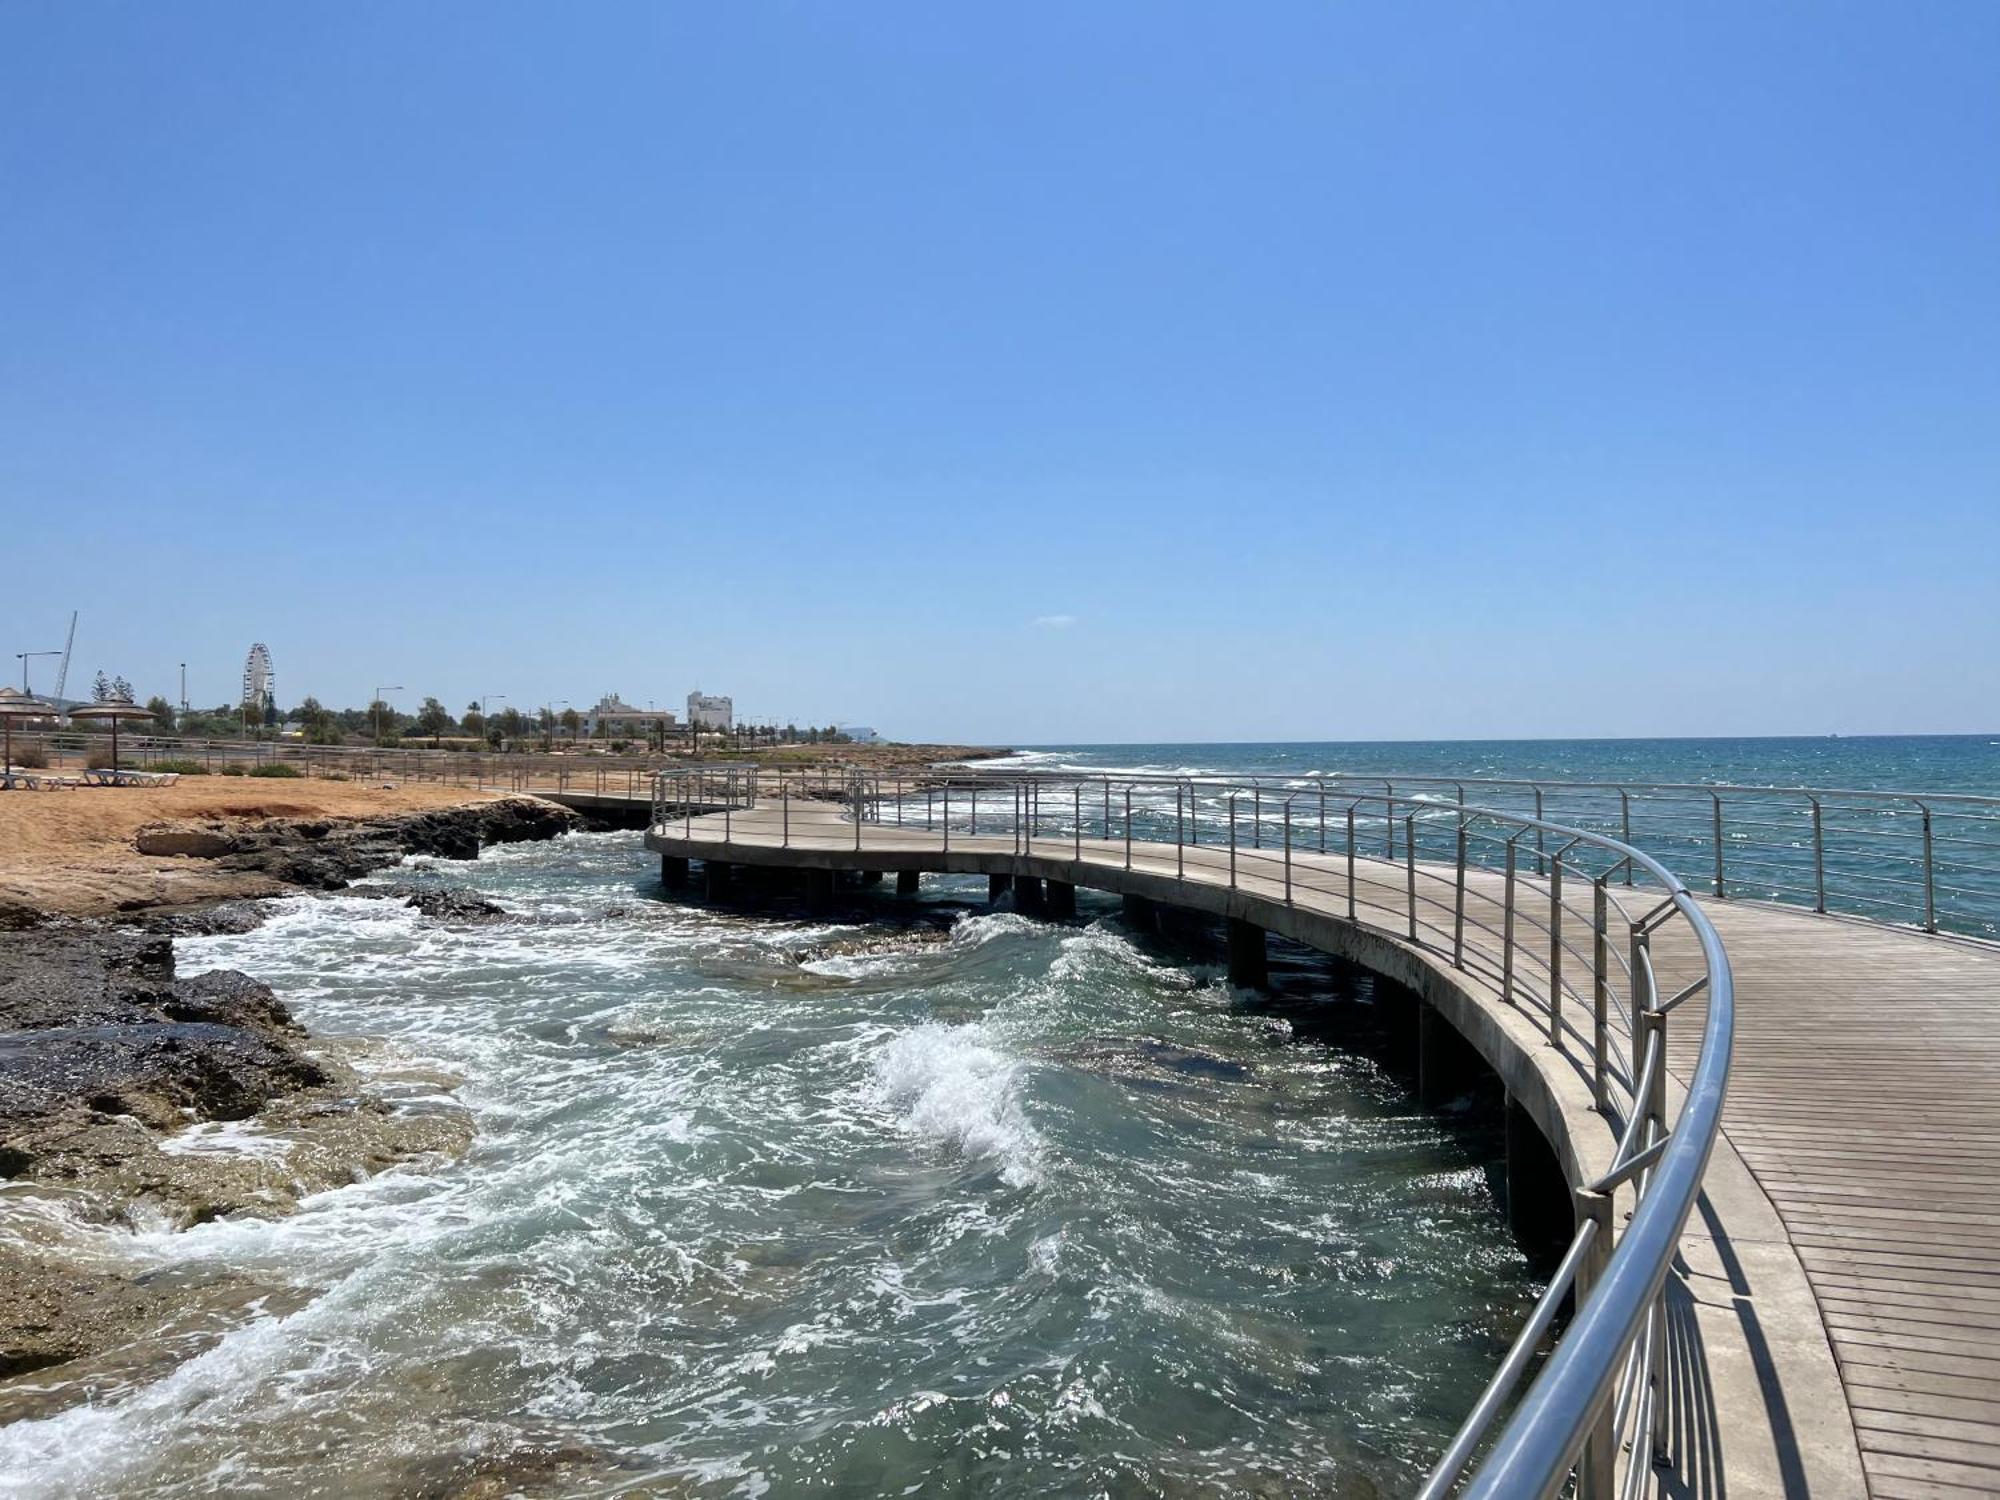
column 954, row 1085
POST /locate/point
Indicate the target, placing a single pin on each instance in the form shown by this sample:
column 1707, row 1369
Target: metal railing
column 1559, row 921
column 582, row 772
column 1922, row 859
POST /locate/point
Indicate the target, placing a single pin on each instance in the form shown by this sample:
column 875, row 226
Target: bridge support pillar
column 998, row 886
column 819, row 889
column 1447, row 1064
column 1540, row 1207
column 673, row 870
column 1028, row 893
column 871, row 877
column 907, row 882
column 1141, row 914
column 1249, row 962
column 1062, row 898
column 715, row 878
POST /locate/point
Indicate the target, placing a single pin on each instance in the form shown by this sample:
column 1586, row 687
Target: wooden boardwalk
column 1865, row 1098
column 1847, row 1250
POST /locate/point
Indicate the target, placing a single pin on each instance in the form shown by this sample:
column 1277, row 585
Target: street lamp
column 379, row 706
column 22, row 658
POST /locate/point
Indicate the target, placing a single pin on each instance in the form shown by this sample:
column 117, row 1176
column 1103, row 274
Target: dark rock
column 151, row 1070
column 224, row 997
column 456, row 906
column 70, row 973
column 229, row 917
column 318, row 854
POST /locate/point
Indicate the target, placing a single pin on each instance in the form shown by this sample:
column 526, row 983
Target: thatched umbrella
column 15, row 704
column 113, row 709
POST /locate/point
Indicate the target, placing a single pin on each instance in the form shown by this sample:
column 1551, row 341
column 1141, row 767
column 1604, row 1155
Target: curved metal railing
column 1560, row 921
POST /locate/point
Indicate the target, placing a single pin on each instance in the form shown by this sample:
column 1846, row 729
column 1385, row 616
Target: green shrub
column 32, row 756
column 230, row 768
column 180, row 766
column 276, row 768
column 97, row 760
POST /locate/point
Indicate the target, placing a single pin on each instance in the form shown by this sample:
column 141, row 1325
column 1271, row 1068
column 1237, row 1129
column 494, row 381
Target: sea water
column 929, row 1196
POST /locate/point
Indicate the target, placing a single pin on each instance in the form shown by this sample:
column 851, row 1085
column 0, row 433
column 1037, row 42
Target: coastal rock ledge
column 107, row 1059
column 327, row 853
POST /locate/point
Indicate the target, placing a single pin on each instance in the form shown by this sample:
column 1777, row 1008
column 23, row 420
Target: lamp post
column 22, row 658
column 379, row 706
column 184, row 690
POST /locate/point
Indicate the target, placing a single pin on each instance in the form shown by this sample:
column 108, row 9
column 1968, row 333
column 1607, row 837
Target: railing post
column 1507, row 924
column 1819, row 857
column 1389, row 819
column 1180, row 834
column 1350, row 862
column 1410, row 869
column 1076, row 817
column 785, row 796
column 1555, row 950
column 1541, row 845
column 1930, row 876
column 1232, row 841
column 1600, row 987
column 1128, row 827
column 1288, row 851
column 1458, row 902
column 1717, row 798
column 1257, row 816
column 1107, row 808
column 947, row 817
column 1641, row 999
column 1322, row 817
column 1625, row 828
column 1597, row 1467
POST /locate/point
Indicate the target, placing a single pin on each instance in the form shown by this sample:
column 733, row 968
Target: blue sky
column 1026, row 373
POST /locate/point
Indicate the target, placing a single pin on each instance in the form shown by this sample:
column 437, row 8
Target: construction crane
column 62, row 673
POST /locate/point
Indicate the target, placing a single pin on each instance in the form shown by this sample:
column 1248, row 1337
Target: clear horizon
column 1118, row 376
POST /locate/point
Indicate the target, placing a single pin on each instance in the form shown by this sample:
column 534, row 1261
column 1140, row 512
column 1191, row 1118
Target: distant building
column 706, row 711
column 613, row 716
column 861, row 734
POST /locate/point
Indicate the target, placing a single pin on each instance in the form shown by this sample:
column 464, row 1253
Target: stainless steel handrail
column 1568, row 1420
column 1929, row 860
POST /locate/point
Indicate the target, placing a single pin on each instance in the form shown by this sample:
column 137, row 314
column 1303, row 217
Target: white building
column 861, row 734
column 707, row 711
column 615, row 716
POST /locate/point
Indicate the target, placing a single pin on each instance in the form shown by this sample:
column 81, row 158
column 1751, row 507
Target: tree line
column 381, row 723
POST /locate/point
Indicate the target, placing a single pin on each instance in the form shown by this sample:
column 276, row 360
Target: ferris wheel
column 258, row 681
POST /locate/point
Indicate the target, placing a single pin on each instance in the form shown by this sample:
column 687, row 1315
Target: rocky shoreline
column 109, row 1058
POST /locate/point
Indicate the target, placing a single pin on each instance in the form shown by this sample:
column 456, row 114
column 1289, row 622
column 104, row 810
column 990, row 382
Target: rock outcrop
column 325, row 854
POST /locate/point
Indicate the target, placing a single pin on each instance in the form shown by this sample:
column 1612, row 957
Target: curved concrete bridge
column 1830, row 1324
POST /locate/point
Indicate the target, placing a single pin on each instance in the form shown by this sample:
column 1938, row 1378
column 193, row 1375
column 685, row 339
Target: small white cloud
column 1054, row 622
